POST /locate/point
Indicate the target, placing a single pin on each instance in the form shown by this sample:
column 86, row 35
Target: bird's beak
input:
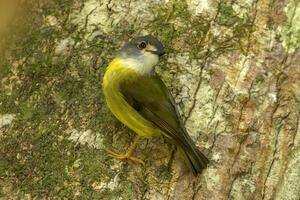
column 161, row 52
column 158, row 52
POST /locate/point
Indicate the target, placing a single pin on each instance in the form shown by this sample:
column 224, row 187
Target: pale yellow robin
column 138, row 97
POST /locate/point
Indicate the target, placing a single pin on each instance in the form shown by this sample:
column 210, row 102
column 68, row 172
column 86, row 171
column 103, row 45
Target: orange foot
column 126, row 156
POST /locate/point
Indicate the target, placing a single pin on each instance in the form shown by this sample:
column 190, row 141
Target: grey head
column 139, row 46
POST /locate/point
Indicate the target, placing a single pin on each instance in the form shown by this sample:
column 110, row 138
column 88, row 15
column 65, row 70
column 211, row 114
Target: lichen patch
column 6, row 119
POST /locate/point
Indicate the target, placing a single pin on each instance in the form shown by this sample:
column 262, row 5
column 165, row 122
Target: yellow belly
column 113, row 77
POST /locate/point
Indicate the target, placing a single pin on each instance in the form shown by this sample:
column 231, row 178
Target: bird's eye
column 142, row 45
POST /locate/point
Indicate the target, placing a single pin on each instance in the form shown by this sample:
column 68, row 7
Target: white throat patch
column 143, row 64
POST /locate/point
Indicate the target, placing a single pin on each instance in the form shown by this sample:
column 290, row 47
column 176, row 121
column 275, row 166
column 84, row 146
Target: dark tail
column 194, row 158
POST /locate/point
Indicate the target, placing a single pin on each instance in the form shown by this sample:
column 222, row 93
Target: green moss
column 163, row 173
column 174, row 21
column 228, row 17
column 241, row 27
column 291, row 30
column 35, row 155
column 46, row 166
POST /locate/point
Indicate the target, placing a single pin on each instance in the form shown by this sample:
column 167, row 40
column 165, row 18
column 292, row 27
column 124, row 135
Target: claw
column 126, row 156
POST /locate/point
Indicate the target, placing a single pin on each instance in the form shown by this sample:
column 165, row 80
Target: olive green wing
column 152, row 100
column 149, row 94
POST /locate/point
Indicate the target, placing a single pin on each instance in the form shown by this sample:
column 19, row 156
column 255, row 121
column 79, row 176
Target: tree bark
column 232, row 66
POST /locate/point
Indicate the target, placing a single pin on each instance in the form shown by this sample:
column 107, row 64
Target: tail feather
column 196, row 160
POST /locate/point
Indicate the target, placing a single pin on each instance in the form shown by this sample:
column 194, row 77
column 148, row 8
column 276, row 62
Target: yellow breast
column 116, row 73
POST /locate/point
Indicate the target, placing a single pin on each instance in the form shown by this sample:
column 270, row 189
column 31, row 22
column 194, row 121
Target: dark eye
column 142, row 45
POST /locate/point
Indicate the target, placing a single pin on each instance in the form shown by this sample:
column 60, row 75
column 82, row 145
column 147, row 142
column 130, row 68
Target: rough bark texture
column 233, row 67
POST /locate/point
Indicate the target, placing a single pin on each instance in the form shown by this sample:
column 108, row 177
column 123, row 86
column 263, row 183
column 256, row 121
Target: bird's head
column 142, row 53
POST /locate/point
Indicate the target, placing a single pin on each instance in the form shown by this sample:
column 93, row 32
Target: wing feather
column 152, row 100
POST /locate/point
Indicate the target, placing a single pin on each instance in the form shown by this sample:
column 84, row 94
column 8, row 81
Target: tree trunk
column 232, row 66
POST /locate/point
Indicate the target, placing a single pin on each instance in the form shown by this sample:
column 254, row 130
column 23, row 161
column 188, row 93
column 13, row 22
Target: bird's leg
column 128, row 154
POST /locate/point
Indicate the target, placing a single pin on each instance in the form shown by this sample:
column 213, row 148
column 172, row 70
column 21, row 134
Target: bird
column 137, row 96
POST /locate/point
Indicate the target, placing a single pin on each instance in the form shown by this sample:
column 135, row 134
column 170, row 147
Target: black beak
column 161, row 53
